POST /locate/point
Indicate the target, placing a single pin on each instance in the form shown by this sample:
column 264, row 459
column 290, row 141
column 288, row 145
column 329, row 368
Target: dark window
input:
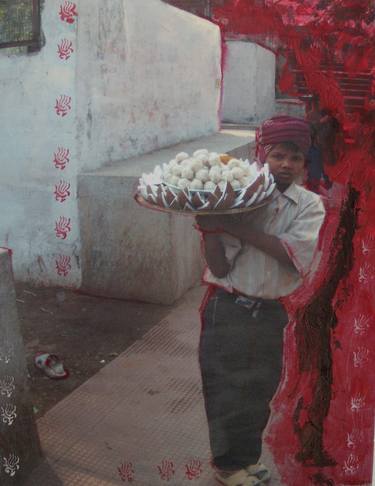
column 19, row 23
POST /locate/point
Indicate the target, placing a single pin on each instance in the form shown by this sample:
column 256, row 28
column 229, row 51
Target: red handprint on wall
column 68, row 12
column 62, row 227
column 166, row 470
column 193, row 469
column 63, row 105
column 61, row 158
column 63, row 265
column 65, row 49
column 62, row 191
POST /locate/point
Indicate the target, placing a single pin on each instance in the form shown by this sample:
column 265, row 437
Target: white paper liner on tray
column 201, row 212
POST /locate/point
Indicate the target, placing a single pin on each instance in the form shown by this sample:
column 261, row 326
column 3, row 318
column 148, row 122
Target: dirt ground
column 85, row 332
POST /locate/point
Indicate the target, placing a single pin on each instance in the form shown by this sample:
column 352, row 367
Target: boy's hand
column 217, row 223
column 207, row 223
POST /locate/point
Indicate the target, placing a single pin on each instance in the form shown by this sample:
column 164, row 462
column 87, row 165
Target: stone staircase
column 356, row 89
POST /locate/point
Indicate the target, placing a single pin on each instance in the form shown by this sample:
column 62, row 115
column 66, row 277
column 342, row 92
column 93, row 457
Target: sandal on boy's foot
column 51, row 365
column 260, row 471
column 239, row 478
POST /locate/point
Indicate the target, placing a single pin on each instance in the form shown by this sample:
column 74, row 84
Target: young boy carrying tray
column 254, row 260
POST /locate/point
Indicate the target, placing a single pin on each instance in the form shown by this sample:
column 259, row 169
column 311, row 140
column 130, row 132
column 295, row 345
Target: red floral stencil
column 63, row 105
column 65, row 49
column 62, row 227
column 166, row 470
column 68, row 12
column 62, row 191
column 63, row 265
column 61, row 158
column 321, row 429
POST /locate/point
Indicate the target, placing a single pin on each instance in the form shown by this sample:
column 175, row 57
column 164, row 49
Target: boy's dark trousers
column 240, row 355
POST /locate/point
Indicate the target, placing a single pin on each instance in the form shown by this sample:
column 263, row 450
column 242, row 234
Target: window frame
column 34, row 43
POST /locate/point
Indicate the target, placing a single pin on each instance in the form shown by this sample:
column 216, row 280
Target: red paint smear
column 309, row 37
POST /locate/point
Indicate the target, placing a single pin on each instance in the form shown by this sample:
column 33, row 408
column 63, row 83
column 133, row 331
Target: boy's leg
column 259, row 384
column 238, row 380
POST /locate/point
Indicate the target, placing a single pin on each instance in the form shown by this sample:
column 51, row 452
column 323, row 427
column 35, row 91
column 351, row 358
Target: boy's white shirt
column 295, row 217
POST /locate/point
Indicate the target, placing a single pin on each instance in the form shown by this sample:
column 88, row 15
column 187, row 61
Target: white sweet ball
column 214, row 159
column 222, row 185
column 202, row 175
column 181, row 156
column 237, row 173
column 227, row 175
column 196, row 184
column 215, row 174
column 234, row 163
column 187, row 173
column 200, row 152
column 203, row 158
column 176, row 170
column 172, row 163
column 185, row 163
column 246, row 170
column 235, row 184
column 183, row 183
column 196, row 164
column 244, row 181
column 173, row 181
column 209, row 186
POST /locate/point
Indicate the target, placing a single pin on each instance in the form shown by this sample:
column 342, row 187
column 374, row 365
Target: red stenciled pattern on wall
column 166, row 470
column 65, row 49
column 63, row 265
column 126, row 472
column 62, row 227
column 68, row 12
column 323, row 412
column 61, row 158
column 63, row 105
column 62, row 191
column 193, row 469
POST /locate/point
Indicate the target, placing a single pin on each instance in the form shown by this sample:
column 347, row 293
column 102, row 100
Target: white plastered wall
column 249, row 83
column 142, row 75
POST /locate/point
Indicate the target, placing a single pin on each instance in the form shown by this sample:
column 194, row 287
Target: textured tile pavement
column 142, row 413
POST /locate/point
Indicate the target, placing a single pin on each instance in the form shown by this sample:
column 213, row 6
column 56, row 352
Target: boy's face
column 286, row 164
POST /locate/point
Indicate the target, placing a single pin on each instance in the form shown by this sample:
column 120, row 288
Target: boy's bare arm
column 214, row 250
column 215, row 255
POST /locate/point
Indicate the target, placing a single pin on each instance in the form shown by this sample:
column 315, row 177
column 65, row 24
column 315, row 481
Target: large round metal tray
column 212, row 212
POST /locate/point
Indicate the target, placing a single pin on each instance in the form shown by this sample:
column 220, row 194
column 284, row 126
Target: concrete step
column 344, row 84
column 361, row 91
column 133, row 253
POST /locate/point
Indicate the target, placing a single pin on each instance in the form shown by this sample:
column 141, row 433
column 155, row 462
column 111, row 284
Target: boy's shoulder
column 307, row 197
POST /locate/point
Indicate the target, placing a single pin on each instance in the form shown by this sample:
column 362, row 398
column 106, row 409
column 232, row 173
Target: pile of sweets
column 207, row 181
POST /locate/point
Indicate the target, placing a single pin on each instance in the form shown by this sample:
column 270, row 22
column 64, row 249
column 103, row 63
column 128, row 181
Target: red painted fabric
column 322, row 428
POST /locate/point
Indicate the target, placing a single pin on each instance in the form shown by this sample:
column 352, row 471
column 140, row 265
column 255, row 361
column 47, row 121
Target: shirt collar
column 291, row 193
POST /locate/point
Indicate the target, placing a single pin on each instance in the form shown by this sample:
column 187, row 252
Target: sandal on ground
column 260, row 471
column 51, row 365
column 239, row 478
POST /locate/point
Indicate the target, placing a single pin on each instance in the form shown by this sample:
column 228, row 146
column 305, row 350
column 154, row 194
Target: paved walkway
column 143, row 411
